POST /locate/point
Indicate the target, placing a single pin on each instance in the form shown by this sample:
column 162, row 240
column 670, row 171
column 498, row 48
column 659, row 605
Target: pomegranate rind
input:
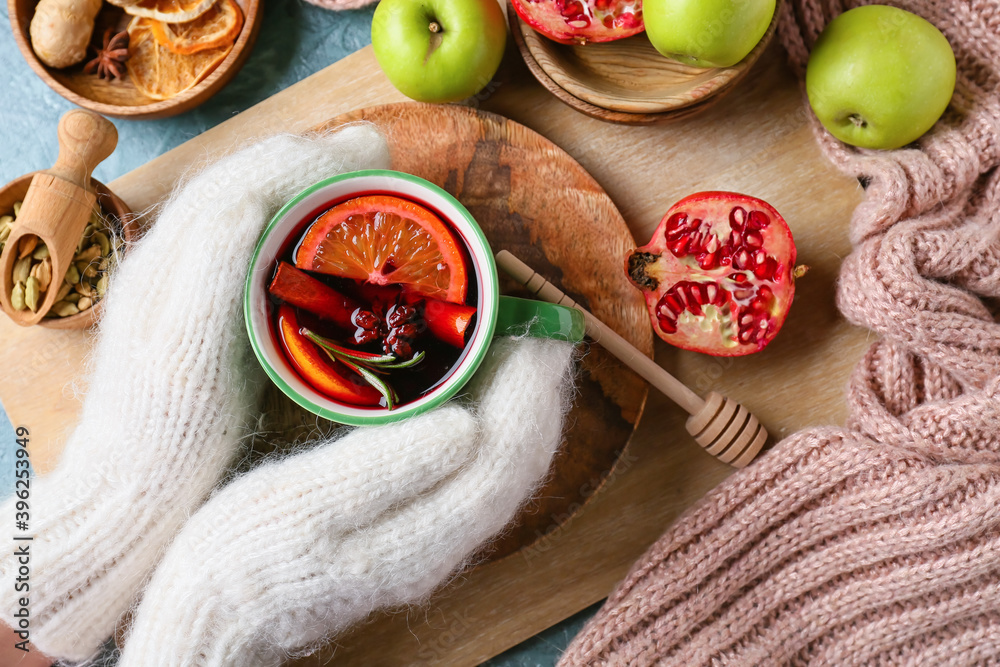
column 563, row 20
column 670, row 282
column 385, row 240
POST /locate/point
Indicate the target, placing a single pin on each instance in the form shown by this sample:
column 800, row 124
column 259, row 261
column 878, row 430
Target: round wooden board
column 121, row 98
column 533, row 199
column 627, row 80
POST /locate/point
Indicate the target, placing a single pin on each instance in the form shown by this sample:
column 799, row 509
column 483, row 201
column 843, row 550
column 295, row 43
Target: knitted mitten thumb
column 300, row 549
column 170, row 396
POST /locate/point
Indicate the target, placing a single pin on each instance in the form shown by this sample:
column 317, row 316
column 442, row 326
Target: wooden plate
column 113, row 207
column 533, row 199
column 627, row 80
column 120, row 98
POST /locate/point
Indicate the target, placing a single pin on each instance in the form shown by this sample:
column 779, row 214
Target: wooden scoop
column 722, row 426
column 58, row 205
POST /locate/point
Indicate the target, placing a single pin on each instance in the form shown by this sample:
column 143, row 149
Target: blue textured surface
column 296, row 40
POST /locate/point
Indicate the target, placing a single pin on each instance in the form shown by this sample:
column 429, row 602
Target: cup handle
column 517, row 317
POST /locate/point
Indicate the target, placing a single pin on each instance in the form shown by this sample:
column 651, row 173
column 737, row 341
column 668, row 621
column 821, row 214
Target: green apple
column 880, row 77
column 706, row 33
column 439, row 50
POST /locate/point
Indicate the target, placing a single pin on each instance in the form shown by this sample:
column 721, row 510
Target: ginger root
column 60, row 30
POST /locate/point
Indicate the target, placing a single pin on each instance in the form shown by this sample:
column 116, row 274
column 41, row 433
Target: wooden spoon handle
column 598, row 331
column 85, row 140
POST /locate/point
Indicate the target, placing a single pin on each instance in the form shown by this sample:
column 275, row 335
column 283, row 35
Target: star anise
column 110, row 60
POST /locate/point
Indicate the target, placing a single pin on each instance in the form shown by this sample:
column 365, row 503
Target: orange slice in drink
column 159, row 72
column 171, row 11
column 386, row 240
column 217, row 27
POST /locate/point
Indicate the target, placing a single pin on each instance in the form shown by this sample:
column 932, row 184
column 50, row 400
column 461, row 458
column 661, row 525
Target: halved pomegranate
column 582, row 21
column 718, row 274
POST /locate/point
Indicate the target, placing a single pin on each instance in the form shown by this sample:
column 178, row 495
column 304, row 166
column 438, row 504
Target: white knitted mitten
column 171, row 395
column 299, row 549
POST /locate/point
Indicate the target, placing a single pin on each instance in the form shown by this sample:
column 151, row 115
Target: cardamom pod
column 41, row 252
column 72, row 297
column 83, row 288
column 72, row 275
column 34, row 269
column 102, row 285
column 22, row 269
column 84, row 303
column 17, row 208
column 27, row 246
column 90, row 254
column 63, row 291
column 64, row 309
column 44, row 274
column 90, row 271
column 6, row 220
column 103, row 242
column 17, row 296
column 31, row 294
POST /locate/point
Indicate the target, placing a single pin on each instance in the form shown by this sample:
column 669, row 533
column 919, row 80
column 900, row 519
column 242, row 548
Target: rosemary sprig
column 366, row 364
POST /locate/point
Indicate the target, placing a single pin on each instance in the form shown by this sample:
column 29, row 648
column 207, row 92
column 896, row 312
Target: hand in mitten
column 171, row 395
column 301, row 548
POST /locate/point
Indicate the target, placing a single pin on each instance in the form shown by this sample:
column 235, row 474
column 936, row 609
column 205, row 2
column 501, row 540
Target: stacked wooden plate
column 627, row 81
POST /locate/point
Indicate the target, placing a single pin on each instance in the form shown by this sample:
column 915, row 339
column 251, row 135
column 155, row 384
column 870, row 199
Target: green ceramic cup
column 497, row 315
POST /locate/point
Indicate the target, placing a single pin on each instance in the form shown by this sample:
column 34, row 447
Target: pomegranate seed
column 679, row 247
column 668, row 325
column 773, row 270
column 676, row 224
column 742, row 294
column 691, row 296
column 671, row 301
column 697, row 243
column 760, row 269
column 402, row 349
column 741, row 259
column 713, row 243
column 708, row 260
column 738, row 218
column 579, row 21
column 364, row 319
column 572, row 9
column 407, row 331
column 758, row 220
column 711, row 292
column 739, row 277
column 753, row 239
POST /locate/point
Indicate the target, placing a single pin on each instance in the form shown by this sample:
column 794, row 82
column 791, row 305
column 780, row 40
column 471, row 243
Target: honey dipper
column 723, row 427
column 57, row 205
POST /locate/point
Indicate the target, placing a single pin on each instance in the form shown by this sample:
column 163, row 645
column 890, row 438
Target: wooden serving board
column 756, row 140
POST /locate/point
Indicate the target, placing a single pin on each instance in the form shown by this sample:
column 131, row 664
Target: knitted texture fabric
column 300, row 549
column 877, row 543
column 171, row 396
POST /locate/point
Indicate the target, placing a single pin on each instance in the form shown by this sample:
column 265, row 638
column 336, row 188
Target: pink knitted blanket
column 877, row 543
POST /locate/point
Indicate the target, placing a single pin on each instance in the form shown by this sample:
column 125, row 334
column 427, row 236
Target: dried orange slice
column 386, row 241
column 159, row 72
column 170, row 11
column 218, row 26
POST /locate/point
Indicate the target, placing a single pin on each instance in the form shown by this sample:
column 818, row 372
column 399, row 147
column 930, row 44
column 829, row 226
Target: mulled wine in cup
column 373, row 296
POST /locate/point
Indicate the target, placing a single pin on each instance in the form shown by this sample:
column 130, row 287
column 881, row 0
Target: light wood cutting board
column 757, row 140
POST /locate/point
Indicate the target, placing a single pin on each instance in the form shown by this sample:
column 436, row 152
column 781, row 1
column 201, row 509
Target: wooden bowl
column 627, row 80
column 112, row 207
column 121, row 98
